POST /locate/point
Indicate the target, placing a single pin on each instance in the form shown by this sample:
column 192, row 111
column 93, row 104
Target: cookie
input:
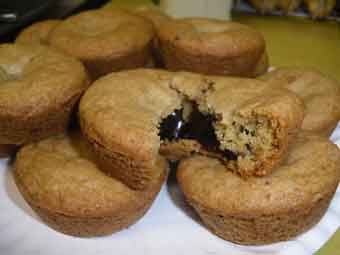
column 38, row 92
column 38, row 32
column 249, row 131
column 105, row 40
column 269, row 209
column 211, row 46
column 321, row 96
column 60, row 181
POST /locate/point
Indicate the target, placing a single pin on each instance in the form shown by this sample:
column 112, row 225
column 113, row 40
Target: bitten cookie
column 250, row 131
column 245, row 123
column 105, row 40
column 321, row 96
column 264, row 210
column 211, row 46
column 38, row 92
column 60, row 181
column 38, row 32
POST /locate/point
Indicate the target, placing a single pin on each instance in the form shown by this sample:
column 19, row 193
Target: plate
column 169, row 227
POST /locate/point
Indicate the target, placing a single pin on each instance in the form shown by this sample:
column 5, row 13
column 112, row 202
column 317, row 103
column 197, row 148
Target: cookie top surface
column 208, row 36
column 32, row 76
column 59, row 174
column 309, row 172
column 102, row 33
column 38, row 32
column 321, row 95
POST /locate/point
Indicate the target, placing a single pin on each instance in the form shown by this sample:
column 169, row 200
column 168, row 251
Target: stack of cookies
column 254, row 157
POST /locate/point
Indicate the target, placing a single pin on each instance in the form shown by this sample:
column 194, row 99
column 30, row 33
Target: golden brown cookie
column 269, row 209
column 38, row 92
column 105, row 40
column 38, row 32
column 250, row 130
column 211, row 46
column 60, row 181
column 321, row 95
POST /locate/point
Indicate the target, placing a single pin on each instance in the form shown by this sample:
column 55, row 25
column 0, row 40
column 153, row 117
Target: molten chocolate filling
column 198, row 127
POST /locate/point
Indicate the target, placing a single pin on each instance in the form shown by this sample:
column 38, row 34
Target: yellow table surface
column 298, row 41
column 291, row 41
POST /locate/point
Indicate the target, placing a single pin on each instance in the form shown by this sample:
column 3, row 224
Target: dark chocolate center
column 172, row 126
column 198, row 127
